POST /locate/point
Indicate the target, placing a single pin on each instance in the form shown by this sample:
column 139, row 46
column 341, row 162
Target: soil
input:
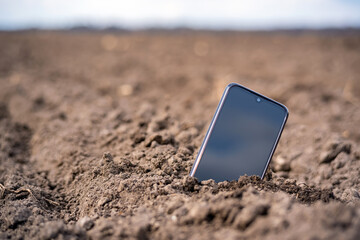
column 99, row 130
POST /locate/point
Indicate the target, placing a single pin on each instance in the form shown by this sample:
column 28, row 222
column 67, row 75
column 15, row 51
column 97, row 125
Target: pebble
column 86, row 223
column 281, row 164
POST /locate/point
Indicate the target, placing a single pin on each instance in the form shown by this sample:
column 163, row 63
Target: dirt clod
column 334, row 149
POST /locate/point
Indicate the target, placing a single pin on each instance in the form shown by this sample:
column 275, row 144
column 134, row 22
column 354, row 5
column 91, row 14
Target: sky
column 209, row 14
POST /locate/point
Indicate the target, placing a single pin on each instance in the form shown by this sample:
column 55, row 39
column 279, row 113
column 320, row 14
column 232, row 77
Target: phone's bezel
column 213, row 121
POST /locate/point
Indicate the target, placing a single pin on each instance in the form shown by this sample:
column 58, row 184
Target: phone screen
column 242, row 136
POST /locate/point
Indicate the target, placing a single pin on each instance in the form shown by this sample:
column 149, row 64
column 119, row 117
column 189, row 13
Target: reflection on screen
column 242, row 138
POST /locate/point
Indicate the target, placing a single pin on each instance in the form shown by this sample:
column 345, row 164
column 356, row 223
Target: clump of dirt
column 26, row 196
column 99, row 142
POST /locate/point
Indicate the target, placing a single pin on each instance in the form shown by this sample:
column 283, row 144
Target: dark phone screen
column 243, row 136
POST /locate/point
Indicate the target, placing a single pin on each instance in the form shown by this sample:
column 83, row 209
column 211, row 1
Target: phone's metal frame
column 213, row 121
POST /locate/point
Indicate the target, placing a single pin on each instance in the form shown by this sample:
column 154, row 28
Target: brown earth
column 98, row 132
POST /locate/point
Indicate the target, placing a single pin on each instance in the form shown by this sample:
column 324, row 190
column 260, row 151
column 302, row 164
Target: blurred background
column 214, row 14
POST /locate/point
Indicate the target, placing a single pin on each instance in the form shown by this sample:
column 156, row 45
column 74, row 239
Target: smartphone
column 242, row 136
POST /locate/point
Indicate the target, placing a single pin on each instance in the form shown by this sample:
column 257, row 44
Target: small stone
column 125, row 90
column 281, row 164
column 154, row 144
column 86, row 223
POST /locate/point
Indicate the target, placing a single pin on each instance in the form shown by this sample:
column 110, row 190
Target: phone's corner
column 233, row 84
column 286, row 110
